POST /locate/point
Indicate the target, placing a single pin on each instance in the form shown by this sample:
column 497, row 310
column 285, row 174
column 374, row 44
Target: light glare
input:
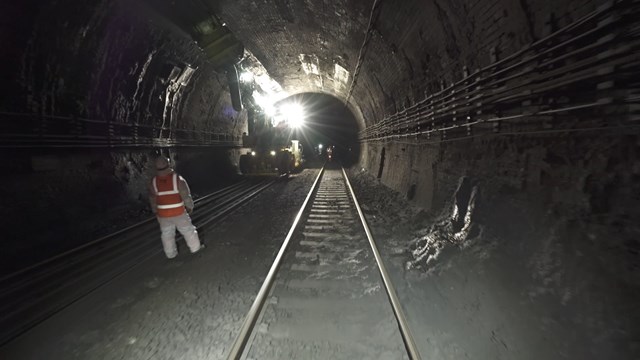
column 293, row 114
column 265, row 102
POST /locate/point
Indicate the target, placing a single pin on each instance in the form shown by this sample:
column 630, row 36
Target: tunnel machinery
column 220, row 47
column 273, row 148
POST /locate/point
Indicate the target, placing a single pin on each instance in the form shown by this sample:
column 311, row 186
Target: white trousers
column 168, row 227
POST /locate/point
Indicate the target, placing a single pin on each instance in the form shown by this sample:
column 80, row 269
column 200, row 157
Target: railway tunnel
column 493, row 146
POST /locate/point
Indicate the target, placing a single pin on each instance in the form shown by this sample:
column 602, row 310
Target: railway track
column 31, row 295
column 327, row 294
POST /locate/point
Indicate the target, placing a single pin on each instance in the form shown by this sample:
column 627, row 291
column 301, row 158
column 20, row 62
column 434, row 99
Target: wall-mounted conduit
column 22, row 130
column 576, row 78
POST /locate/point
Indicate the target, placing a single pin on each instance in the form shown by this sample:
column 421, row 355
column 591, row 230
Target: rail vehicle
column 271, row 148
column 330, row 152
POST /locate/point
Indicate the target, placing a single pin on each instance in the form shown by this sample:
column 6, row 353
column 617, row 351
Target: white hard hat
column 162, row 163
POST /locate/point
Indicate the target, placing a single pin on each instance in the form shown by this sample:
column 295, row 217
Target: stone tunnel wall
column 57, row 200
column 110, row 61
column 102, row 62
column 554, row 232
column 556, row 212
column 564, row 198
column 418, row 48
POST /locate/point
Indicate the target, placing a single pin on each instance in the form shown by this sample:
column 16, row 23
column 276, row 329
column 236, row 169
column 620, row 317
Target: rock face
column 547, row 147
column 91, row 93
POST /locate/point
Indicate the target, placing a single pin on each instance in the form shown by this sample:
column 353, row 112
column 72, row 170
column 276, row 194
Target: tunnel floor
column 187, row 308
column 448, row 270
column 192, row 307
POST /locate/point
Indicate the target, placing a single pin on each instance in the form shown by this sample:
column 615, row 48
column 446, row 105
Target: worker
column 171, row 201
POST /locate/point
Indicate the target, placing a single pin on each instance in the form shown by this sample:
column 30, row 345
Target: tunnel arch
column 328, row 122
column 532, row 101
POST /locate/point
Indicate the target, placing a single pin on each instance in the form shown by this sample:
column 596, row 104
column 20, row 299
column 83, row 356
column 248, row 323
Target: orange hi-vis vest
column 168, row 200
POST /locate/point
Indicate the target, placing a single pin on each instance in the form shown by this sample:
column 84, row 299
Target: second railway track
column 327, row 295
column 31, row 295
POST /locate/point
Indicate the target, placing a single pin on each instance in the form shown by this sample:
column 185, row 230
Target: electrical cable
column 363, row 50
column 550, row 131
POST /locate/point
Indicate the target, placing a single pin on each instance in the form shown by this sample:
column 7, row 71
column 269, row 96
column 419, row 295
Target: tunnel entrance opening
column 381, row 167
column 330, row 129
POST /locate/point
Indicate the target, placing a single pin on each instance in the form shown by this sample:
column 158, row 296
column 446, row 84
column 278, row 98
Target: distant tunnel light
column 294, row 114
column 253, row 153
column 273, row 153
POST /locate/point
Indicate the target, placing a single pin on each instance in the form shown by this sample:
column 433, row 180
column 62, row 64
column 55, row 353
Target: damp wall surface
column 546, row 255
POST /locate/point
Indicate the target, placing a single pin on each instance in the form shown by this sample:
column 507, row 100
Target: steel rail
column 240, row 343
column 83, row 256
column 127, row 256
column 82, row 262
column 231, row 204
column 121, row 242
column 534, row 87
column 106, row 237
column 409, row 342
column 30, row 316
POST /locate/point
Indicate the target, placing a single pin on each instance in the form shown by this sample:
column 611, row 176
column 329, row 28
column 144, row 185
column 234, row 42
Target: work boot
column 199, row 249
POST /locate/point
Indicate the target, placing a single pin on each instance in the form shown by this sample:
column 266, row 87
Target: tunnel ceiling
column 412, row 48
column 144, row 70
column 305, row 46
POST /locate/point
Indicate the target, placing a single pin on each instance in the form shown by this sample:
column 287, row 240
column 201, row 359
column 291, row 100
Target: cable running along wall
column 583, row 76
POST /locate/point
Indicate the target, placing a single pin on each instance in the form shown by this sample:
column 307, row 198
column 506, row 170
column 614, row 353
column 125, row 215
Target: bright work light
column 293, row 114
